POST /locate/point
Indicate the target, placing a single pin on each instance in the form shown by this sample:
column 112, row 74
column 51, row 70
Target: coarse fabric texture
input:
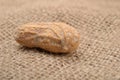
column 98, row 55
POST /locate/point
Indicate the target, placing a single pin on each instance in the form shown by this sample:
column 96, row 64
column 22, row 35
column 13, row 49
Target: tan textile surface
column 97, row 58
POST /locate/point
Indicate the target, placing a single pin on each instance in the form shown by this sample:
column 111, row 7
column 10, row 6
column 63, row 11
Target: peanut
column 55, row 37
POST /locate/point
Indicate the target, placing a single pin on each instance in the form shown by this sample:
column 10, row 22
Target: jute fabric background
column 98, row 55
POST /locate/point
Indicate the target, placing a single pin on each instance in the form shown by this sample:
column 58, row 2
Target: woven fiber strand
column 97, row 58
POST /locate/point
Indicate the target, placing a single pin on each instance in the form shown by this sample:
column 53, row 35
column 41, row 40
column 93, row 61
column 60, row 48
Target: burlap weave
column 97, row 58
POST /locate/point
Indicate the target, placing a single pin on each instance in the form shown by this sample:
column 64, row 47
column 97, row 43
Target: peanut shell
column 55, row 37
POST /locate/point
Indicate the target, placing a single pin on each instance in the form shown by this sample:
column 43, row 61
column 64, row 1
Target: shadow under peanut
column 42, row 51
